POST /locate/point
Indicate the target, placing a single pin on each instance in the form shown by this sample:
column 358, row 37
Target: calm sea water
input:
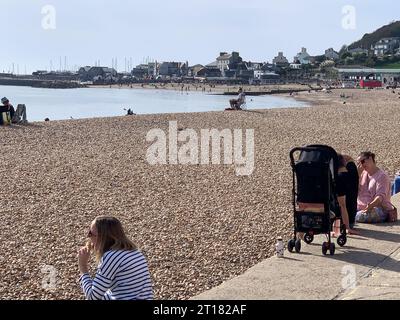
column 104, row 102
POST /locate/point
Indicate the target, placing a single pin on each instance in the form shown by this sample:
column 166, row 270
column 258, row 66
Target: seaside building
column 303, row 57
column 258, row 74
column 265, row 77
column 355, row 75
column 386, row 46
column 270, row 67
column 185, row 69
column 227, row 64
column 154, row 68
column 169, row 69
column 357, row 51
column 193, row 70
column 83, row 72
column 141, row 71
column 173, row 69
column 146, row 71
column 243, row 71
column 280, row 60
column 254, row 65
column 208, row 72
column 97, row 73
column 295, row 65
column 331, row 54
column 227, row 61
column 212, row 65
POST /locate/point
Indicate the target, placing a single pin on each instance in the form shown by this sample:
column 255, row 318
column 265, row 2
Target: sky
column 36, row 33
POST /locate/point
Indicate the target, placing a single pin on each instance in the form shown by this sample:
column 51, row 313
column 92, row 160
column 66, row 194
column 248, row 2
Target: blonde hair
column 110, row 236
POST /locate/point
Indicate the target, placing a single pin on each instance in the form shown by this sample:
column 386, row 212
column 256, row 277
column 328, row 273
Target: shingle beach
column 198, row 225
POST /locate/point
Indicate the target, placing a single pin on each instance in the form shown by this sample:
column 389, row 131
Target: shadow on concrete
column 367, row 258
column 334, row 240
column 360, row 237
column 352, row 248
column 302, row 253
column 293, row 259
column 386, row 224
column 381, row 235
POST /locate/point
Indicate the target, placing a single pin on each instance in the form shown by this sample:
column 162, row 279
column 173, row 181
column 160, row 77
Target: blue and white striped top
column 121, row 275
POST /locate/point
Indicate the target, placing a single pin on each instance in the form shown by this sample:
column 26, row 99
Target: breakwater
column 38, row 83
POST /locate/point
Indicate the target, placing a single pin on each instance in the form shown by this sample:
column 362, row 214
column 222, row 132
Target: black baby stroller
column 315, row 175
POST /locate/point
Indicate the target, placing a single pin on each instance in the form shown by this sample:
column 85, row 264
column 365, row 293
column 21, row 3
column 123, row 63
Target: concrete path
column 368, row 267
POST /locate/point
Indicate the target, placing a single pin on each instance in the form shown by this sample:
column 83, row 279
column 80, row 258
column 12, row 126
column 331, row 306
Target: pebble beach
column 198, row 225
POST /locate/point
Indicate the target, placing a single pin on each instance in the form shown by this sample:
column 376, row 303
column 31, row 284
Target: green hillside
column 390, row 30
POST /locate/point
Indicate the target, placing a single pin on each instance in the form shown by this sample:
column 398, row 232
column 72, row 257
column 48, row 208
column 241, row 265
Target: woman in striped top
column 122, row 272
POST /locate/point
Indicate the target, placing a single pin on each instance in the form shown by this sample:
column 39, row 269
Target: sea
column 64, row 104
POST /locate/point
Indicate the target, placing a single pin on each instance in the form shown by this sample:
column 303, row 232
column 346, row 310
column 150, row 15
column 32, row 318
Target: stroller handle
column 300, row 149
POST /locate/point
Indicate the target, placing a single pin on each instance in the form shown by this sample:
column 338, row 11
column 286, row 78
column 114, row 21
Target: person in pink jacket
column 373, row 201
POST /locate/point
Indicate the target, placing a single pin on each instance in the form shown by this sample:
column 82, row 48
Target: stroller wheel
column 325, row 247
column 291, row 245
column 308, row 238
column 342, row 240
column 297, row 245
column 332, row 249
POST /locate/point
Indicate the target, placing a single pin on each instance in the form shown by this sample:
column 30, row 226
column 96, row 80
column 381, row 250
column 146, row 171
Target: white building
column 295, row 66
column 303, row 57
column 258, row 74
column 225, row 59
column 265, row 77
column 386, row 46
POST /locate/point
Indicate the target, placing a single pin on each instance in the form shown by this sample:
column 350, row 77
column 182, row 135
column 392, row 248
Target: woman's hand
column 367, row 208
column 360, row 168
column 83, row 259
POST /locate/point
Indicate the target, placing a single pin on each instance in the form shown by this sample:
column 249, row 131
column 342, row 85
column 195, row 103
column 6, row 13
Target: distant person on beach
column 122, row 272
column 374, row 194
column 237, row 103
column 7, row 107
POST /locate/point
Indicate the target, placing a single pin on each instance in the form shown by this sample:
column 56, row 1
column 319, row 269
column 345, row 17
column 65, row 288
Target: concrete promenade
column 368, row 267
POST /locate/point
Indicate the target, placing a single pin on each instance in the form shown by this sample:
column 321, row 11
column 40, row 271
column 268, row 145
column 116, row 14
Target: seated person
column 7, row 107
column 237, row 103
column 347, row 190
column 20, row 114
column 373, row 201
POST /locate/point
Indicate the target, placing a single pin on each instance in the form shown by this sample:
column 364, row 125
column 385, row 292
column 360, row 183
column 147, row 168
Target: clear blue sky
column 193, row 30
